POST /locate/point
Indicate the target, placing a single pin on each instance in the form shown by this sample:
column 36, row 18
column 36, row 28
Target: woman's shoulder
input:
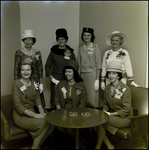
column 36, row 50
column 123, row 50
column 17, row 83
column 18, row 52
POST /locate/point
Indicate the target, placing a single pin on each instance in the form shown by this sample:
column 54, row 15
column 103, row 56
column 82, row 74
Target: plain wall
column 10, row 42
column 128, row 17
column 44, row 18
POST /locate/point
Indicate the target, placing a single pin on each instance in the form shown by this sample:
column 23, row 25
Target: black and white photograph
column 74, row 74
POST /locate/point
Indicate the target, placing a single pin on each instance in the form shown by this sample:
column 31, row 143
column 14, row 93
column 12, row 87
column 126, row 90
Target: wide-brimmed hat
column 89, row 30
column 61, row 33
column 108, row 38
column 28, row 33
column 114, row 66
column 73, row 63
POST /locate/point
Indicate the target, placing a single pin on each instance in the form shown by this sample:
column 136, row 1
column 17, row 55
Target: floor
column 64, row 141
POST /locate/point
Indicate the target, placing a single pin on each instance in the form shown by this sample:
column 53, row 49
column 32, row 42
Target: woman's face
column 28, row 42
column 26, row 71
column 113, row 76
column 61, row 41
column 69, row 74
column 115, row 41
column 87, row 37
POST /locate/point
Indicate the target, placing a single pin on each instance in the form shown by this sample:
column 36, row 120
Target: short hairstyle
column 92, row 37
column 121, row 39
column 20, row 67
column 34, row 40
column 119, row 75
column 77, row 77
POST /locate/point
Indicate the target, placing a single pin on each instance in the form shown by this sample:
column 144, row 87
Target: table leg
column 77, row 138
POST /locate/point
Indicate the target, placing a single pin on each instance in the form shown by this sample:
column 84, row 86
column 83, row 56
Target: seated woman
column 25, row 97
column 70, row 92
column 117, row 101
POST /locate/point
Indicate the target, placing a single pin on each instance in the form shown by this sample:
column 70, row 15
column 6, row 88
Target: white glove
column 55, row 81
column 41, row 88
column 102, row 85
column 96, row 85
column 134, row 84
column 107, row 112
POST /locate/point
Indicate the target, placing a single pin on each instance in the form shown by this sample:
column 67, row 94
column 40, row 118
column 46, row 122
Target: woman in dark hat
column 71, row 92
column 117, row 101
column 58, row 57
column 35, row 57
column 116, row 53
column 90, row 64
column 25, row 98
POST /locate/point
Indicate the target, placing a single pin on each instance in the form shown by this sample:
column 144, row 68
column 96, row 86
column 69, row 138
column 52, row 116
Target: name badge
column 22, row 88
column 89, row 53
column 66, row 57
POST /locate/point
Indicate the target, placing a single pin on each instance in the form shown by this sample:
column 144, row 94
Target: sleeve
column 73, row 56
column 104, row 66
column 17, row 59
column 98, row 57
column 83, row 97
column 105, row 103
column 48, row 65
column 17, row 100
column 126, row 103
column 79, row 59
column 40, row 67
column 128, row 66
column 59, row 100
column 38, row 99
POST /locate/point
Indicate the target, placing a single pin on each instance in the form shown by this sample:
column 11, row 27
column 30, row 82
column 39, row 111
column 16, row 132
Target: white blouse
column 123, row 57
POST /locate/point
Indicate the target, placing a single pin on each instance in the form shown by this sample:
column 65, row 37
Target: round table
column 62, row 118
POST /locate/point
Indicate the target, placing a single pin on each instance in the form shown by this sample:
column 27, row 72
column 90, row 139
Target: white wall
column 44, row 18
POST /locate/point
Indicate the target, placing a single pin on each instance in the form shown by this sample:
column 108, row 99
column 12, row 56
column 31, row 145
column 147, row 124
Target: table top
column 62, row 118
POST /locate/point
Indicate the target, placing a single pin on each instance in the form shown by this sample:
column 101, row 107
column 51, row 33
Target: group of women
column 74, row 83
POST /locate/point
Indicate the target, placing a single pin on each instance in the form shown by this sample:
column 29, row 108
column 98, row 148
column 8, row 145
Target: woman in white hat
column 116, row 53
column 117, row 101
column 89, row 61
column 35, row 57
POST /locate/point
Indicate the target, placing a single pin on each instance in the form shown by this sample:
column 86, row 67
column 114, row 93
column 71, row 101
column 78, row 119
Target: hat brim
column 108, row 38
column 28, row 37
column 114, row 70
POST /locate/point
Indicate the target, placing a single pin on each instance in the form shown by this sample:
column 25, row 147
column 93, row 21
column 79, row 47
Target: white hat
column 108, row 38
column 115, row 66
column 28, row 33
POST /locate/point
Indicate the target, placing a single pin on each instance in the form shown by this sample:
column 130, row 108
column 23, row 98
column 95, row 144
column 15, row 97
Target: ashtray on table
column 73, row 114
column 85, row 114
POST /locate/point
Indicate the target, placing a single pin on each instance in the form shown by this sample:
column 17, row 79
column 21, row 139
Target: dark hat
column 89, row 30
column 73, row 64
column 26, row 61
column 61, row 33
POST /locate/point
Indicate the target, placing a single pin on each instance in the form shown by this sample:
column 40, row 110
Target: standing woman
column 90, row 64
column 35, row 56
column 116, row 53
column 25, row 98
column 58, row 57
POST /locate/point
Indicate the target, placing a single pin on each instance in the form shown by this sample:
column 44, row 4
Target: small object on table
column 85, row 114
